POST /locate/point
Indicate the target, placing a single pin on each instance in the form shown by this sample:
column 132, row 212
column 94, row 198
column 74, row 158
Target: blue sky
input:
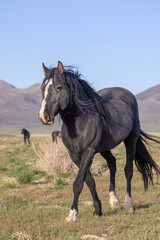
column 113, row 43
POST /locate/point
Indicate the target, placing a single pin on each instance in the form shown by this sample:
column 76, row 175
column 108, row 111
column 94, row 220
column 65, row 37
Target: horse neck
column 69, row 115
column 73, row 111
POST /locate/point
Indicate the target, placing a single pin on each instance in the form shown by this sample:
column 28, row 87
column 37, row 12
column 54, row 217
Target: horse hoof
column 114, row 201
column 72, row 217
column 128, row 204
column 97, row 213
column 128, row 209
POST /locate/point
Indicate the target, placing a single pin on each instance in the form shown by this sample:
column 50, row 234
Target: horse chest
column 76, row 144
column 78, row 139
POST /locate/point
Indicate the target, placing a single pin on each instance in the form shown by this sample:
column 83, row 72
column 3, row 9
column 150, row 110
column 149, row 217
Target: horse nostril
column 46, row 116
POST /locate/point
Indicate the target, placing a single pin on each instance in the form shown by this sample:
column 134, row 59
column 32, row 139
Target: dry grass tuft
column 20, row 236
column 92, row 237
column 99, row 171
column 53, row 158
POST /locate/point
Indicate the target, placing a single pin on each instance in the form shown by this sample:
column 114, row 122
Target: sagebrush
column 54, row 158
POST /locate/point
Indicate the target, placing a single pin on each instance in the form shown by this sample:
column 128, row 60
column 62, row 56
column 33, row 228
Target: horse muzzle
column 45, row 119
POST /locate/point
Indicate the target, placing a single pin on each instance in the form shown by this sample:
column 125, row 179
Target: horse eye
column 58, row 88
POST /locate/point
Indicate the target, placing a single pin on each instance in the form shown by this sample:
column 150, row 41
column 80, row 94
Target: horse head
column 23, row 131
column 55, row 94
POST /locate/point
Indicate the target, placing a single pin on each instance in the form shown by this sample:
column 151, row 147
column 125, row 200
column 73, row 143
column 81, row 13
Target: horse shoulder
column 85, row 133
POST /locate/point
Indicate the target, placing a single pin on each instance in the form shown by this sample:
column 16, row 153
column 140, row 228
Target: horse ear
column 45, row 69
column 60, row 67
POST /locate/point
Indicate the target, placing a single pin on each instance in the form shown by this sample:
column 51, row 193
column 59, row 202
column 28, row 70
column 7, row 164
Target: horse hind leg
column 130, row 144
column 111, row 161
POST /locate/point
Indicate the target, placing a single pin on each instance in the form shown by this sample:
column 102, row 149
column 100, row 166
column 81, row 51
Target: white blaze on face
column 43, row 105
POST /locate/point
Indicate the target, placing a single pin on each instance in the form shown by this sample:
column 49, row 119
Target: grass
column 25, row 175
column 36, row 209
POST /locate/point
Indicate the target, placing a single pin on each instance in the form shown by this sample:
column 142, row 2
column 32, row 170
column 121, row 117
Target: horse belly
column 117, row 130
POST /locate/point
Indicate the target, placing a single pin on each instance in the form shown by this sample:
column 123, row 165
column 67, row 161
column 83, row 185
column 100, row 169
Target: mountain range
column 19, row 109
column 149, row 108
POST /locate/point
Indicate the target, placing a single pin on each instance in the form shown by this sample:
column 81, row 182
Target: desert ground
column 36, row 195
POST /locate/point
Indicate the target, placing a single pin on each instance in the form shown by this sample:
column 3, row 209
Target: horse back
column 119, row 100
column 122, row 111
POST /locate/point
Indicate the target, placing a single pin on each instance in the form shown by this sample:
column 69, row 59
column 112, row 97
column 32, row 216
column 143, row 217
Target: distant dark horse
column 26, row 135
column 56, row 134
column 95, row 123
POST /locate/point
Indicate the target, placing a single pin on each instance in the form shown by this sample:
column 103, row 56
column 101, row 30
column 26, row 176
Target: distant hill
column 19, row 108
column 149, row 108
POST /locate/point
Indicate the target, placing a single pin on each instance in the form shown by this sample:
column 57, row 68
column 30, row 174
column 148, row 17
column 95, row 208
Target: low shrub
column 54, row 158
column 24, row 175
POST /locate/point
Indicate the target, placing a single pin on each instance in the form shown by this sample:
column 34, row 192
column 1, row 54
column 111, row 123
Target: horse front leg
column 92, row 187
column 90, row 182
column 86, row 161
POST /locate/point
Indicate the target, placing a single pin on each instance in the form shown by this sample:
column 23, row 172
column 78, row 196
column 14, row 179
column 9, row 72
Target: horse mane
column 77, row 85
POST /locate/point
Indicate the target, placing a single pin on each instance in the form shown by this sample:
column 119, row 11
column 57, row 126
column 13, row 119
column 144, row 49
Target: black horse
column 56, row 134
column 26, row 135
column 95, row 123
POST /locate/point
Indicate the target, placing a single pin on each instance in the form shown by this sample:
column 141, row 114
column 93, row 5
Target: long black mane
column 77, row 86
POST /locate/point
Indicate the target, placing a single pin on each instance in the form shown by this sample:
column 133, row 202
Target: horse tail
column 143, row 160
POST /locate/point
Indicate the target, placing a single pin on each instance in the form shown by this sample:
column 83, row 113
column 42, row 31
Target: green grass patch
column 60, row 182
column 9, row 185
column 24, row 175
column 104, row 165
column 4, row 169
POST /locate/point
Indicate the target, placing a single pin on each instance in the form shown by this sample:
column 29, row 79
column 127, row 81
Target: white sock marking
column 114, row 201
column 128, row 203
column 72, row 215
